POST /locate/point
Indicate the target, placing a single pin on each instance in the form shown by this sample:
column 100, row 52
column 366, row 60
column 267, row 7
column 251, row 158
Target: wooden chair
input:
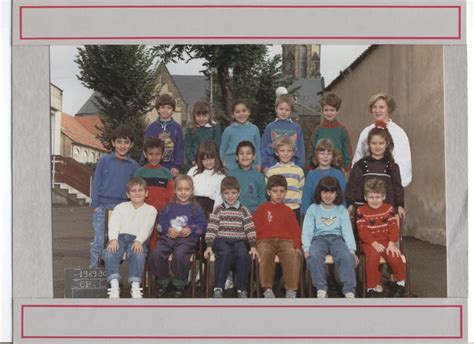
column 256, row 284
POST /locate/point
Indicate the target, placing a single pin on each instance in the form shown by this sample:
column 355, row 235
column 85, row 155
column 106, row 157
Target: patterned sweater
column 230, row 222
column 377, row 224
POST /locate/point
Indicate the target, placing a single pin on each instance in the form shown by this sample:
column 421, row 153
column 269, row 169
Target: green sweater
column 194, row 137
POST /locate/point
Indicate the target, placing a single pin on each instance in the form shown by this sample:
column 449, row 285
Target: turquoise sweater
column 320, row 221
column 252, row 187
column 194, row 136
column 232, row 136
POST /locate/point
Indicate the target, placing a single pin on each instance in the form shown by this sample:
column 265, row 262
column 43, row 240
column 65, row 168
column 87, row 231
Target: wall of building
column 413, row 75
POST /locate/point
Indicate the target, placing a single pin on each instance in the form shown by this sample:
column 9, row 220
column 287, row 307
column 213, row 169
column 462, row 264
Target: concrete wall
column 413, row 75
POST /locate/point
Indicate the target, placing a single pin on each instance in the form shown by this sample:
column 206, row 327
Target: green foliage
column 124, row 77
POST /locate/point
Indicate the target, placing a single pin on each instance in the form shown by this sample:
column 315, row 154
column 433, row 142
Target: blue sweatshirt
column 111, row 176
column 252, row 187
column 172, row 135
column 323, row 221
column 279, row 128
column 232, row 136
column 312, row 181
column 183, row 215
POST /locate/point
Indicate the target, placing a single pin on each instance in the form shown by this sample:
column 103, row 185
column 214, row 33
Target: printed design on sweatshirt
column 179, row 222
column 269, row 216
column 277, row 133
column 169, row 145
column 328, row 220
column 251, row 189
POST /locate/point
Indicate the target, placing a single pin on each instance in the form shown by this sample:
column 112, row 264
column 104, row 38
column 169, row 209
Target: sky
column 334, row 58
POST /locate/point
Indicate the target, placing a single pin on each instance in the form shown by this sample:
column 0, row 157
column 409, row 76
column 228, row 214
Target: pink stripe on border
column 458, row 37
column 460, row 307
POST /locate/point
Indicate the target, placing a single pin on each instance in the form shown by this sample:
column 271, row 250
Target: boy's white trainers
column 114, row 293
column 321, row 294
column 136, row 293
column 268, row 294
column 349, row 295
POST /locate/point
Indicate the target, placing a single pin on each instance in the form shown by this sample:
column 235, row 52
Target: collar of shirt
column 288, row 119
column 236, row 205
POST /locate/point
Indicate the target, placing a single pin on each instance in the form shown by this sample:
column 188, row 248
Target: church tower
column 301, row 60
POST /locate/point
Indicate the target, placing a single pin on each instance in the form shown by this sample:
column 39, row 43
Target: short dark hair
column 230, row 183
column 276, row 180
column 245, row 144
column 331, row 99
column 165, row 99
column 374, row 185
column 240, row 101
column 330, row 184
column 123, row 132
column 136, row 181
column 154, row 142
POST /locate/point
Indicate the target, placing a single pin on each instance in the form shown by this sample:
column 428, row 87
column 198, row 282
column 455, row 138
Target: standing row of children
column 234, row 210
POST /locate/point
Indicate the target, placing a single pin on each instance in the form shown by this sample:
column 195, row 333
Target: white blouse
column 207, row 184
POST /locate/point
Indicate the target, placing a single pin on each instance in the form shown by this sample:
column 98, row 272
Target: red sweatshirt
column 377, row 224
column 277, row 221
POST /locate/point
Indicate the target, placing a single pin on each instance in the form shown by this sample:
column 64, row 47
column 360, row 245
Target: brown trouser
column 289, row 260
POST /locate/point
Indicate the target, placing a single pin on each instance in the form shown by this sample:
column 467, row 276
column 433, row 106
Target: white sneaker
column 290, row 294
column 321, row 294
column 349, row 295
column 268, row 294
column 114, row 293
column 136, row 293
column 378, row 288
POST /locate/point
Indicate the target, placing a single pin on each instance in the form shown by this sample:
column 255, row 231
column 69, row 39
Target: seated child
column 282, row 126
column 181, row 223
column 229, row 231
column 294, row 175
column 330, row 128
column 278, row 234
column 327, row 230
column 379, row 233
column 109, row 186
column 129, row 227
column 158, row 179
column 252, row 182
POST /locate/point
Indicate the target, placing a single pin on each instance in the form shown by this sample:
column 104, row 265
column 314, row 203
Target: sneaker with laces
column 179, row 293
column 398, row 291
column 321, row 294
column 136, row 293
column 218, row 293
column 378, row 288
column 242, row 294
column 371, row 293
column 349, row 295
column 161, row 290
column 114, row 293
column 290, row 294
column 268, row 294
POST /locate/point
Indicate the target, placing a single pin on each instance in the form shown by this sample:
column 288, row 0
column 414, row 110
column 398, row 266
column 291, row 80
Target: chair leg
column 309, row 283
column 301, row 276
column 252, row 277
column 257, row 278
column 207, row 273
column 193, row 276
column 407, row 281
column 362, row 265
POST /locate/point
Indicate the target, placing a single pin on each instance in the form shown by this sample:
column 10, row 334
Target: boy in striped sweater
column 229, row 230
column 285, row 150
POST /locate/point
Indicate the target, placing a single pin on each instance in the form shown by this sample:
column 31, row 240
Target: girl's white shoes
column 114, row 292
column 136, row 292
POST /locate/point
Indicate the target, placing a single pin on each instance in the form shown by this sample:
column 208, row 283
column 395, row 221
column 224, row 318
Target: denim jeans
column 231, row 253
column 136, row 261
column 343, row 259
column 98, row 222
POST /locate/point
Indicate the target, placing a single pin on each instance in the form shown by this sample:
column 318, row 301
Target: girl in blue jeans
column 327, row 230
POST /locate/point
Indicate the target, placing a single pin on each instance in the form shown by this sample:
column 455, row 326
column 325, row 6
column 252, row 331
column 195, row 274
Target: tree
column 123, row 75
column 225, row 59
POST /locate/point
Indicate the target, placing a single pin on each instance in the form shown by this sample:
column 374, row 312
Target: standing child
column 278, row 234
column 252, row 182
column 181, row 222
column 331, row 129
column 327, row 230
column 158, row 179
column 207, row 176
column 129, row 227
column 326, row 160
column 238, row 131
column 378, row 164
column 229, row 231
column 282, row 126
column 294, row 175
column 168, row 130
column 203, row 128
column 109, row 186
column 381, row 106
column 379, row 233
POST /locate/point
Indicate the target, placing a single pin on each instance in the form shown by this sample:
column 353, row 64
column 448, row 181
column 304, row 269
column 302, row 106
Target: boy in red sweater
column 379, row 232
column 278, row 233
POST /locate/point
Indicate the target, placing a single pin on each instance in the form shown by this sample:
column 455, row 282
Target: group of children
column 223, row 198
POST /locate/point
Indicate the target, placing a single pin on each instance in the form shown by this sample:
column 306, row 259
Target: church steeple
column 301, row 60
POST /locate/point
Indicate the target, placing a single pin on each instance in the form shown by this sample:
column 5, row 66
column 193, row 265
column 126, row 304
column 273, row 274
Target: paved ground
column 72, row 233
